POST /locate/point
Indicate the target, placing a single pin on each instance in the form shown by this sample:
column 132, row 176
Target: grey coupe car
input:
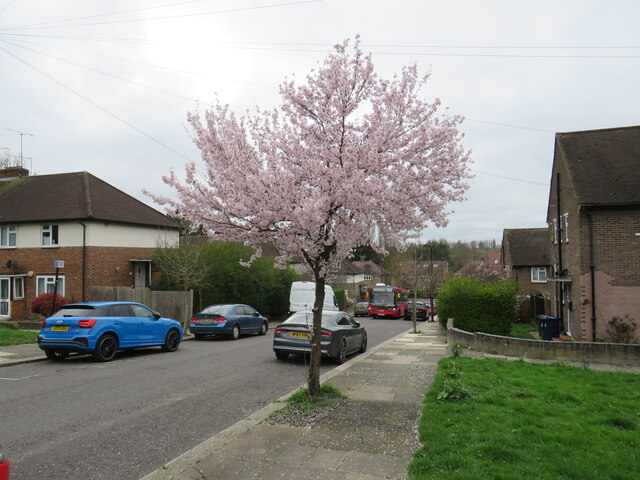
column 341, row 336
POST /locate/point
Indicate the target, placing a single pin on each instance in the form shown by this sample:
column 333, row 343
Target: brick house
column 593, row 221
column 356, row 276
column 103, row 236
column 525, row 255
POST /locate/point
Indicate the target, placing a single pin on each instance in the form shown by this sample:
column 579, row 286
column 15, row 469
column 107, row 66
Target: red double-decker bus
column 387, row 301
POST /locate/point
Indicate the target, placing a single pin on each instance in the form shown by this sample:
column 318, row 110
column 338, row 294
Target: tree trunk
column 316, row 354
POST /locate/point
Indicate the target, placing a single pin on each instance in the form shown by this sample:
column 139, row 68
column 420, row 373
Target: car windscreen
column 81, row 311
column 216, row 310
column 307, row 317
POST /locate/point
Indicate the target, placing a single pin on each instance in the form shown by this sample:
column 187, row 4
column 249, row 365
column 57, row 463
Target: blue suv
column 103, row 328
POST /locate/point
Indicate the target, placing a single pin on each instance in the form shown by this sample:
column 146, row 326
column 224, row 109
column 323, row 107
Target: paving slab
column 371, row 436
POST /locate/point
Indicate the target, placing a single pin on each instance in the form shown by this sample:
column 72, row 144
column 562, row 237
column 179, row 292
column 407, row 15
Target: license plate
column 58, row 328
column 299, row 334
column 206, row 320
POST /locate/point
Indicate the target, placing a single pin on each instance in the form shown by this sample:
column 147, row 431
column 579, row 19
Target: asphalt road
column 79, row 419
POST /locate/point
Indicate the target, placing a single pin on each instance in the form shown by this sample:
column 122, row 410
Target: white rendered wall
column 99, row 235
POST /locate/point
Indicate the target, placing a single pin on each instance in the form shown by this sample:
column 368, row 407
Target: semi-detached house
column 594, row 230
column 103, row 236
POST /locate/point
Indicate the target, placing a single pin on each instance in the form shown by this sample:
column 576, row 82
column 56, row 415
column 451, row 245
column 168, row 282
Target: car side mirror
column 357, row 324
column 156, row 315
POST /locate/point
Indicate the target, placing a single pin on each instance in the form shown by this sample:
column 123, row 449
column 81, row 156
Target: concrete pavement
column 371, row 436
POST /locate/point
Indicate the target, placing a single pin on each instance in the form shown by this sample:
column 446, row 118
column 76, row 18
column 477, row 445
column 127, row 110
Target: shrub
column 489, row 308
column 339, row 293
column 43, row 304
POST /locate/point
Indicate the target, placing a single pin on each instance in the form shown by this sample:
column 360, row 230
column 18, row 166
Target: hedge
column 475, row 307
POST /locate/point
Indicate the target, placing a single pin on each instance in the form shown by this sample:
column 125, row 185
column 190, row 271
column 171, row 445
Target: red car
column 4, row 466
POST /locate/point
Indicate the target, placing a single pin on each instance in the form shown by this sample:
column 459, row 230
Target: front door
column 140, row 274
column 4, row 296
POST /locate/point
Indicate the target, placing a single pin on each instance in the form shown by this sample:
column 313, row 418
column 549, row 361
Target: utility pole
column 22, row 134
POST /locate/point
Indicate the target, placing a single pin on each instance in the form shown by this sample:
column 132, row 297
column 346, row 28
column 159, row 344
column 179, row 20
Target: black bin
column 548, row 326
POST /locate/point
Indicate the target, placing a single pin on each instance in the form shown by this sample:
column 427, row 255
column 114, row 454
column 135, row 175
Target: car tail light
column 44, row 323
column 194, row 319
column 280, row 330
column 325, row 333
column 87, row 323
column 220, row 320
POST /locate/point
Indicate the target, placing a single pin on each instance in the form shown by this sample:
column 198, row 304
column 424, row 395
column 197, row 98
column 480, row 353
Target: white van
column 303, row 296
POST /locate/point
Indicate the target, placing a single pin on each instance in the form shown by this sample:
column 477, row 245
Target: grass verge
column 492, row 419
column 13, row 336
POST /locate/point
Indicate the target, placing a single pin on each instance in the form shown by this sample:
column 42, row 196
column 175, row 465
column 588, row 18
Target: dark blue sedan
column 103, row 328
column 229, row 319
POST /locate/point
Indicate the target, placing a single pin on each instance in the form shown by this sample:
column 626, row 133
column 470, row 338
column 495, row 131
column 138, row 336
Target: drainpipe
column 84, row 260
column 592, row 271
column 560, row 288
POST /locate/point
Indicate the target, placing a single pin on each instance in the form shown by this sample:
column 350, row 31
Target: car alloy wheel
column 235, row 333
column 363, row 347
column 263, row 328
column 106, row 348
column 172, row 341
column 342, row 352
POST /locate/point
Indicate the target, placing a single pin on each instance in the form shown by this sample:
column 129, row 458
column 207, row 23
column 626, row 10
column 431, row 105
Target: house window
column 538, row 274
column 555, row 230
column 367, row 276
column 566, row 227
column 18, row 288
column 45, row 284
column 8, row 236
column 50, row 235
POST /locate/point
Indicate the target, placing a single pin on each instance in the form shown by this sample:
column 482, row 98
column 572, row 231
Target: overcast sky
column 106, row 86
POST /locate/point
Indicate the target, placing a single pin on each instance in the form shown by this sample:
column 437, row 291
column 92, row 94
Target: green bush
column 339, row 293
column 260, row 285
column 474, row 307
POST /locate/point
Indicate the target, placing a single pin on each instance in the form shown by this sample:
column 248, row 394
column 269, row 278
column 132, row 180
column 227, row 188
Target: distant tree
column 345, row 152
column 435, row 250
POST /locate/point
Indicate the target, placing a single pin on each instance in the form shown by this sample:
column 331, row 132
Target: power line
column 142, row 9
column 103, row 73
column 183, row 15
column 433, row 54
column 510, row 178
column 87, row 99
column 487, row 47
column 134, row 41
column 162, row 67
column 7, row 6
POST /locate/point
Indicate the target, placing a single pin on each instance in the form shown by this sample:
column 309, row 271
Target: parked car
column 361, row 309
column 4, row 466
column 422, row 309
column 341, row 336
column 103, row 328
column 231, row 320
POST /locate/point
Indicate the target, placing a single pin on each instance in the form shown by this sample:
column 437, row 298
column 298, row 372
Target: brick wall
column 104, row 266
column 616, row 258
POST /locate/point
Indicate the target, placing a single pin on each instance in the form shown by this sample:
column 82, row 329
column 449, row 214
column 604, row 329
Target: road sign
column 58, row 264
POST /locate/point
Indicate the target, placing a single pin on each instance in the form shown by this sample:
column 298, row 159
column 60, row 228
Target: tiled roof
column 526, row 246
column 603, row 165
column 73, row 197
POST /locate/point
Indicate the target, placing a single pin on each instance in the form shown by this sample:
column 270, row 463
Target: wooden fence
column 177, row 305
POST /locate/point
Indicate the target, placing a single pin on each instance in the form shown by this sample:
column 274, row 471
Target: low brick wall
column 613, row 353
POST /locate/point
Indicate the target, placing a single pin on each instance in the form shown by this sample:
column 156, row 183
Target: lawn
column 523, row 330
column 13, row 336
column 516, row 420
